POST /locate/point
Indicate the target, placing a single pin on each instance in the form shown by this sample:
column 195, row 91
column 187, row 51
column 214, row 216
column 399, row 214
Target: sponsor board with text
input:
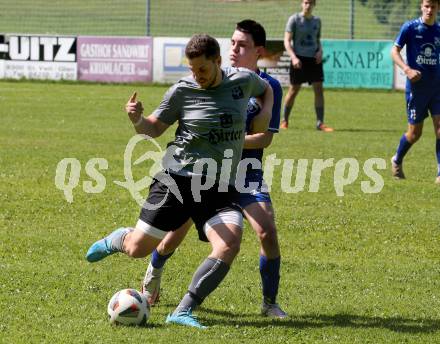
column 170, row 63
column 38, row 57
column 115, row 59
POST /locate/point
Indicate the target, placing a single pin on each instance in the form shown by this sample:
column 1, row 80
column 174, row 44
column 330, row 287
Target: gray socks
column 118, row 237
column 205, row 280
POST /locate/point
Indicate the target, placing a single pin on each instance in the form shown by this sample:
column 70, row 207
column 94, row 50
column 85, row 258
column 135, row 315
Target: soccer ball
column 128, row 307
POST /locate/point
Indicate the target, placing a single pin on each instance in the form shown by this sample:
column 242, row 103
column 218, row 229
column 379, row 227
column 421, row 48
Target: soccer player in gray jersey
column 210, row 108
column 302, row 42
column 247, row 45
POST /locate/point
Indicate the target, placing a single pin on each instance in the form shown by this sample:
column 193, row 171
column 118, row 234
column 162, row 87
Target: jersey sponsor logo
column 237, row 93
column 437, row 41
column 253, row 107
column 216, row 136
column 427, row 55
column 197, row 101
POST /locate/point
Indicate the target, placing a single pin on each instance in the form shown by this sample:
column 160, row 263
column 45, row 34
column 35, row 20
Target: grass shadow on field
column 396, row 324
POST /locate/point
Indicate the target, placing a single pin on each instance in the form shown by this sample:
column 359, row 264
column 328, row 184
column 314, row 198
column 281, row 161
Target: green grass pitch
column 362, row 268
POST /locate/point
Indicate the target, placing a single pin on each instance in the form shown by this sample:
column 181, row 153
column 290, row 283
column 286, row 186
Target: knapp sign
column 352, row 64
column 38, row 57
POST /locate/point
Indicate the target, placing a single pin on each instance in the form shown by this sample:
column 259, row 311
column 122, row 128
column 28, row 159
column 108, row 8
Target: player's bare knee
column 229, row 247
column 268, row 235
column 232, row 246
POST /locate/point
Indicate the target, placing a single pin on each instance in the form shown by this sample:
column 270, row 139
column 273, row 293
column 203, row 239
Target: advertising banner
column 347, row 64
column 170, row 63
column 276, row 61
column 38, row 57
column 115, row 59
column 358, row 64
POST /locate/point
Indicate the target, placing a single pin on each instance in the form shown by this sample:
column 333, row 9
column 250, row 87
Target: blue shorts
column 419, row 102
column 254, row 196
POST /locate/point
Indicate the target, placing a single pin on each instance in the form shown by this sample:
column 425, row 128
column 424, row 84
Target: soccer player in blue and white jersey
column 422, row 40
column 247, row 44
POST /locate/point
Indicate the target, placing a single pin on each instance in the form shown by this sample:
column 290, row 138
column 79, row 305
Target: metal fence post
column 352, row 19
column 148, row 17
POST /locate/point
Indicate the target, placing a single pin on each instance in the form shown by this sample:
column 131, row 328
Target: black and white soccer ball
column 128, row 307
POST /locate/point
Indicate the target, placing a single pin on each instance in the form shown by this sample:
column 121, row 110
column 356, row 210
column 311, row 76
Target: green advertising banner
column 353, row 64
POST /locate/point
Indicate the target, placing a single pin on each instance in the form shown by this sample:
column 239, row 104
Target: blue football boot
column 185, row 318
column 105, row 247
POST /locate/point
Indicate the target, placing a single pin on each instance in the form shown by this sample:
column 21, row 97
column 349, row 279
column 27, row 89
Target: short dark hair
column 256, row 30
column 202, row 44
column 434, row 1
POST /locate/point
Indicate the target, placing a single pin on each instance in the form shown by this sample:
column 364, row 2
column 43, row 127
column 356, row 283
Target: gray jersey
column 306, row 34
column 211, row 121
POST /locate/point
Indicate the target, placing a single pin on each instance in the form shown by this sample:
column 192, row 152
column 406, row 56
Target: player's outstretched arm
column 412, row 74
column 260, row 123
column 150, row 126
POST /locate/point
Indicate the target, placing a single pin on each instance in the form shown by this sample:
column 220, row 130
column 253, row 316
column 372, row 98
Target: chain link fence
column 342, row 19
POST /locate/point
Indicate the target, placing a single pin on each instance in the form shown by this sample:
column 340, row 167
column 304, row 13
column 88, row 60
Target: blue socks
column 270, row 277
column 402, row 149
column 437, row 152
column 157, row 260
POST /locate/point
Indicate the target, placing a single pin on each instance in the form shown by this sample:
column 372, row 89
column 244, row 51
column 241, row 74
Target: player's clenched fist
column 413, row 74
column 134, row 108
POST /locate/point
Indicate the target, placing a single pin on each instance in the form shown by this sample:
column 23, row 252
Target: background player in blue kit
column 247, row 44
column 422, row 40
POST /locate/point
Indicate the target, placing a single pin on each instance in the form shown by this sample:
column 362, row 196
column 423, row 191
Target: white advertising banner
column 170, row 63
column 39, row 56
column 40, row 70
